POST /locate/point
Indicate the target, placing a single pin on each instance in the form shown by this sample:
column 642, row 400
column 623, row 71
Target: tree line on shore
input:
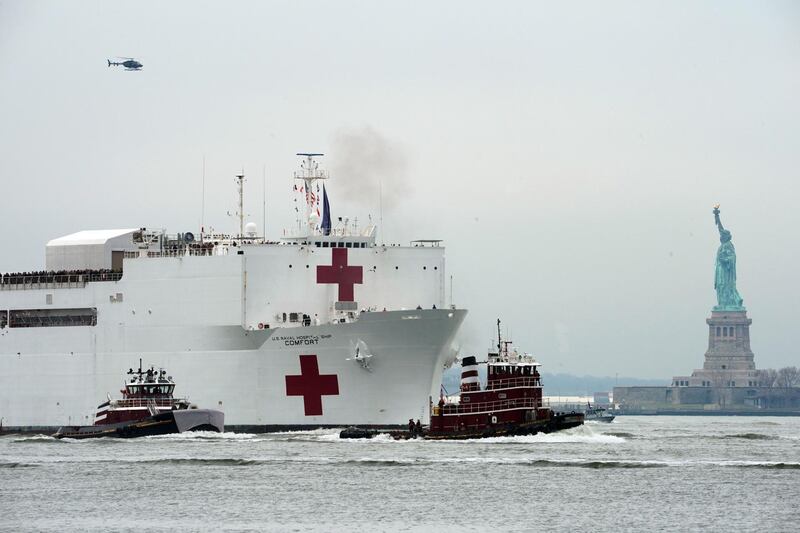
column 784, row 378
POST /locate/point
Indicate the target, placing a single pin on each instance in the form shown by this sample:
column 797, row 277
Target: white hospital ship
column 325, row 327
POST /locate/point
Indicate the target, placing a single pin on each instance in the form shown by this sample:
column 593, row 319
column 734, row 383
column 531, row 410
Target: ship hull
column 264, row 380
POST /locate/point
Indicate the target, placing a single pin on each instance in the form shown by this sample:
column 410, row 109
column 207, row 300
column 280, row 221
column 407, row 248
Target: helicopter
column 129, row 63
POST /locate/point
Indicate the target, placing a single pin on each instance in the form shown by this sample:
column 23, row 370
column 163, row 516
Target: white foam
column 579, row 435
column 204, row 435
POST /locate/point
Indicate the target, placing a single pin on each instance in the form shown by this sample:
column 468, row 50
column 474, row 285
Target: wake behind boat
column 147, row 408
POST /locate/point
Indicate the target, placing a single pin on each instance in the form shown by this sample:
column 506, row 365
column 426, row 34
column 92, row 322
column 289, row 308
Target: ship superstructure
column 323, row 326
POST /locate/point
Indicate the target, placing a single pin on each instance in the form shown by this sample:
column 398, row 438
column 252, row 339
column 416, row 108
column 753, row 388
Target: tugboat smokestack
column 469, row 374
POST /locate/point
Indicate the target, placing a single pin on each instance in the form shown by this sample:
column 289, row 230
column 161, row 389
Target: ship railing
column 508, row 383
column 488, row 407
column 204, row 251
column 166, row 403
column 75, row 280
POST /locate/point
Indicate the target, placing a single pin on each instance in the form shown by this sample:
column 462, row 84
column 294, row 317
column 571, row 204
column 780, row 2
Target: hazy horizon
column 569, row 156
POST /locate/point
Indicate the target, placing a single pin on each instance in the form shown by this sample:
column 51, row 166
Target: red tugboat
column 147, row 407
column 511, row 403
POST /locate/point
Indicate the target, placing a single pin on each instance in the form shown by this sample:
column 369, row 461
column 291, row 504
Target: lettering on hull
column 299, row 340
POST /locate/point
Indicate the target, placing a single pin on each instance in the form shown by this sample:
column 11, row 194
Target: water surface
column 637, row 473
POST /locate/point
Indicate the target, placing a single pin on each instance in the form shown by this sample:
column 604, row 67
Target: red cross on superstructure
column 342, row 273
column 311, row 385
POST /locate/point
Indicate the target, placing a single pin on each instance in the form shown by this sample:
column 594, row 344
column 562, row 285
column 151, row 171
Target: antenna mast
column 240, row 185
column 309, row 175
column 264, row 202
column 380, row 209
column 203, row 202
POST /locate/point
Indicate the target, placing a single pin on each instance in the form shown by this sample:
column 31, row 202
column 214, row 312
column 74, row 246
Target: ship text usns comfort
column 324, row 327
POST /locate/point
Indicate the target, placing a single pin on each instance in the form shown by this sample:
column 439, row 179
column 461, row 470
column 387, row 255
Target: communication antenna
column 203, row 202
column 240, row 184
column 308, row 176
column 380, row 209
column 264, row 202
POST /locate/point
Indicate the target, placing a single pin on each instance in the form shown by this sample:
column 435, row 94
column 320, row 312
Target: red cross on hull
column 346, row 276
column 311, row 385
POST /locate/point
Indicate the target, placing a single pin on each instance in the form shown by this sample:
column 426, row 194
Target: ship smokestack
column 469, row 374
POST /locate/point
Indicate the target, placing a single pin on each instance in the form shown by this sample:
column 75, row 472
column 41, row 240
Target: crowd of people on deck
column 59, row 276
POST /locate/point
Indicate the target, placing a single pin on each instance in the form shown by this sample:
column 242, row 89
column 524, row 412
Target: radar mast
column 240, row 186
column 309, row 175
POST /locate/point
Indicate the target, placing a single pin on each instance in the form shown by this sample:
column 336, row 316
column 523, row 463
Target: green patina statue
column 728, row 298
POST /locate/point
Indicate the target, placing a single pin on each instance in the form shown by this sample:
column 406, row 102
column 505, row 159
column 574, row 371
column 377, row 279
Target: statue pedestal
column 729, row 360
column 729, row 341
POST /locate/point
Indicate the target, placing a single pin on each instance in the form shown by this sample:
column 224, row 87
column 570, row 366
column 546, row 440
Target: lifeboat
column 147, row 407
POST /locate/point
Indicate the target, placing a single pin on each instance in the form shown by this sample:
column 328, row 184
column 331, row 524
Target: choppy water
column 638, row 473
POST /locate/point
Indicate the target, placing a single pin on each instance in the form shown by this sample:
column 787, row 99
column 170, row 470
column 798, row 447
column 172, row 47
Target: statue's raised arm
column 717, row 220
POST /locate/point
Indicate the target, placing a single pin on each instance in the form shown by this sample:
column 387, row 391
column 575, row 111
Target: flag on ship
column 326, row 213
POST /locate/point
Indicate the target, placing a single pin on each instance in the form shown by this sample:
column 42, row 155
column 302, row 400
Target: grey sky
column 569, row 155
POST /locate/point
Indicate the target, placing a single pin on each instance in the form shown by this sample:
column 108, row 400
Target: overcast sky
column 569, row 155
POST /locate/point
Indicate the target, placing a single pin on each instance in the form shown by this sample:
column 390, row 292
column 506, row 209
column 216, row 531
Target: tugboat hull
column 558, row 422
column 176, row 421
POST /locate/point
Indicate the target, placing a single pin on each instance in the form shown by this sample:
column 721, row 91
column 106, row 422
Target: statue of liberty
column 728, row 298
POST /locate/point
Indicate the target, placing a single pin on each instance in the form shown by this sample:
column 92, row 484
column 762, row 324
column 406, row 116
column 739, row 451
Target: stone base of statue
column 729, row 360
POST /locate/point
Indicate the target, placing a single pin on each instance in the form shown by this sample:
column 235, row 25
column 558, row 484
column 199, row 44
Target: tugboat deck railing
column 510, row 383
column 465, row 408
column 144, row 402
